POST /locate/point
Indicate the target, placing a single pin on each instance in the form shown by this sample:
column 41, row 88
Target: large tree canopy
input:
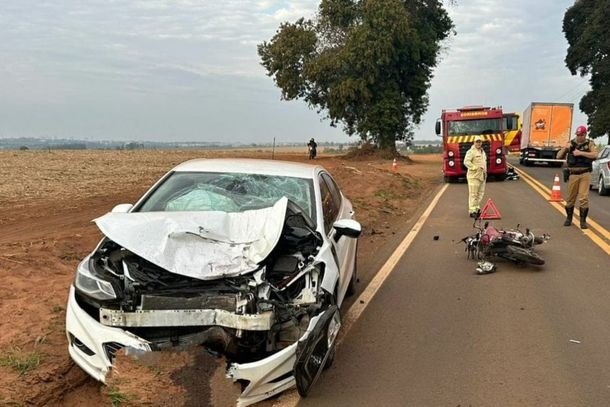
column 587, row 28
column 364, row 64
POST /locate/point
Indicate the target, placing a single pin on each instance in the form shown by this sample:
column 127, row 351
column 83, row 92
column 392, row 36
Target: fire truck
column 459, row 129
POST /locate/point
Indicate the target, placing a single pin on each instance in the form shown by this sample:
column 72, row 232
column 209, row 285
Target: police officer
column 476, row 162
column 581, row 152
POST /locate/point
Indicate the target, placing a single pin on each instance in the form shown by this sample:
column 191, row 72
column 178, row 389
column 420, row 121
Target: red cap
column 581, row 130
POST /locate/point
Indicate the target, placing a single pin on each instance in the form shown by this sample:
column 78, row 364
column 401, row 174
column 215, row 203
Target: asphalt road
column 599, row 205
column 437, row 334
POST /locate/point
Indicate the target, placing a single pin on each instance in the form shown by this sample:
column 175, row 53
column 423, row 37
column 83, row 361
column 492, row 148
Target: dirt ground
column 47, row 202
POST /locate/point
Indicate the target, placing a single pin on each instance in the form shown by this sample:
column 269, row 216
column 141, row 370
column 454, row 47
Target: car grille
column 227, row 302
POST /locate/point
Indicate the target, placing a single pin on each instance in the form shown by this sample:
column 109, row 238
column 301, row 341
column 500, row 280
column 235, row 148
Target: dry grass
column 31, row 176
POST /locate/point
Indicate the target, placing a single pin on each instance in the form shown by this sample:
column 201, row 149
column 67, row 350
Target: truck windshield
column 468, row 127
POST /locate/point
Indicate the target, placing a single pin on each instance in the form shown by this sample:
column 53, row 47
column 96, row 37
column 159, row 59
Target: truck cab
column 458, row 129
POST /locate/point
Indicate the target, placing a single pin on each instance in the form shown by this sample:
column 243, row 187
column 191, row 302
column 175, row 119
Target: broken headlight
column 91, row 285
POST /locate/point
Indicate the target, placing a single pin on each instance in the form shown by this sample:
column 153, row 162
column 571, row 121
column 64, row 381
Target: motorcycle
column 312, row 152
column 512, row 244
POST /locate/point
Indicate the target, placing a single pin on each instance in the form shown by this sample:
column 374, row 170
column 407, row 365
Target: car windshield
column 227, row 192
column 468, row 127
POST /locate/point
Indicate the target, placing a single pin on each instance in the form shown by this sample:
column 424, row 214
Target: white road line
column 291, row 398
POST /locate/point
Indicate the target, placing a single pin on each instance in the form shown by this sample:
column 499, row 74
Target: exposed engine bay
column 245, row 316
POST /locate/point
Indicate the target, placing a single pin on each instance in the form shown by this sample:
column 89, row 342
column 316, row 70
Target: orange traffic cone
column 394, row 165
column 556, row 192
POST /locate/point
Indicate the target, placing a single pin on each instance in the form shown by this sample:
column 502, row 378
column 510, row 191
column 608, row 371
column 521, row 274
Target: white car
column 248, row 258
column 600, row 176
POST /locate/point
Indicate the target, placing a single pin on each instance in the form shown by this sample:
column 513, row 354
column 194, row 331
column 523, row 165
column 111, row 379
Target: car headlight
column 451, row 163
column 91, row 285
column 498, row 161
column 498, row 151
column 450, row 153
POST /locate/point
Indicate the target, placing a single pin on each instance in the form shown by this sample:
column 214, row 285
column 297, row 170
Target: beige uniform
column 476, row 162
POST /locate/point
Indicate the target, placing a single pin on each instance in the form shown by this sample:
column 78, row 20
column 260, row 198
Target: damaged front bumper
column 189, row 317
column 93, row 345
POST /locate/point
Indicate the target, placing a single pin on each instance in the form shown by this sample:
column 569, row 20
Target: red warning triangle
column 490, row 211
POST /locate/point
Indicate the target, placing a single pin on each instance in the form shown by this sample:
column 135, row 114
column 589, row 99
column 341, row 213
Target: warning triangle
column 490, row 211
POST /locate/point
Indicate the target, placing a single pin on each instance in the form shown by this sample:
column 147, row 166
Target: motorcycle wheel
column 524, row 255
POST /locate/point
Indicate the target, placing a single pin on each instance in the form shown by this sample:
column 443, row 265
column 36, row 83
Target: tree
column 364, row 64
column 586, row 28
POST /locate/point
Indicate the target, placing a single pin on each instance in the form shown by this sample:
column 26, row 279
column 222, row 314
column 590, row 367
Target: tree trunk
column 388, row 143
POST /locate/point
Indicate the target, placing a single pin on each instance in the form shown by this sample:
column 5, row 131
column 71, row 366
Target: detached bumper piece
column 189, row 317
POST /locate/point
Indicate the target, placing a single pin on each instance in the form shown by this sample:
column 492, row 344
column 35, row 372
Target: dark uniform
column 312, row 145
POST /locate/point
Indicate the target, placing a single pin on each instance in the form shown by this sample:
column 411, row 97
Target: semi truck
column 458, row 129
column 546, row 129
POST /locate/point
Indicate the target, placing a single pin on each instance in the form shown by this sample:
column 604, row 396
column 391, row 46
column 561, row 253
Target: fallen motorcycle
column 512, row 244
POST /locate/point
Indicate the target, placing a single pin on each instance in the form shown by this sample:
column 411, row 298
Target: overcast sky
column 187, row 70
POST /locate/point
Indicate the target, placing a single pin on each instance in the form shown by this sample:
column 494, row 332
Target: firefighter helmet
column 580, row 130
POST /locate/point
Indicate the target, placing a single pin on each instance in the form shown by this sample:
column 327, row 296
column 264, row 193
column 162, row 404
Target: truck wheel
column 601, row 189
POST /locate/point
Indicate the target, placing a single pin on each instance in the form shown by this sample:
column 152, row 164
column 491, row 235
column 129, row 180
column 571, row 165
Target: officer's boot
column 570, row 214
column 583, row 218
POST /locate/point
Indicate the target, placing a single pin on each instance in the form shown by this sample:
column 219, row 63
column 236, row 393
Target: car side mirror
column 437, row 127
column 347, row 227
column 122, row 208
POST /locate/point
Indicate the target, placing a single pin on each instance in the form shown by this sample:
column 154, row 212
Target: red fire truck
column 459, row 129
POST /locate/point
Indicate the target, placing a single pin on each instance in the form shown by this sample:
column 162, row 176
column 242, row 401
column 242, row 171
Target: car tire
column 601, row 188
column 351, row 287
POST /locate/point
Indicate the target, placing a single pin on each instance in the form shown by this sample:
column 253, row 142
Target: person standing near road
column 312, row 146
column 476, row 163
column 581, row 153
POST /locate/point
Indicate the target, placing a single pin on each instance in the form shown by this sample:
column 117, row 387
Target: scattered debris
column 485, row 267
column 435, row 237
column 511, row 174
column 574, row 341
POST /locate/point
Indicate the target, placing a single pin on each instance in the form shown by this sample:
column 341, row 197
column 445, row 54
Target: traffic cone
column 394, row 165
column 556, row 191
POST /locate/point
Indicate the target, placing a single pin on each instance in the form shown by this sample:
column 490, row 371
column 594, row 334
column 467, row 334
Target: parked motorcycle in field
column 512, row 244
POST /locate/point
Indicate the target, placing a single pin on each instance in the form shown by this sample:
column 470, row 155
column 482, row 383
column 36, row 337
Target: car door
column 335, row 207
column 597, row 164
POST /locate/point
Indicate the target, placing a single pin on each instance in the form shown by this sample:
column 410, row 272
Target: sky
column 188, row 70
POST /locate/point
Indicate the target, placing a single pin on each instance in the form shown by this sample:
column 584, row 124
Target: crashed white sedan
column 250, row 259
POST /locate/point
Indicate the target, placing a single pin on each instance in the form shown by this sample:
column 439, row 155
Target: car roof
column 249, row 166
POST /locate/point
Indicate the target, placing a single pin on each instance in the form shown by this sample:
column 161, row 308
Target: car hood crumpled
column 202, row 245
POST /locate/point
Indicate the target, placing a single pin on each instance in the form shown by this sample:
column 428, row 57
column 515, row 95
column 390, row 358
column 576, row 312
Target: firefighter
column 476, row 163
column 581, row 153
